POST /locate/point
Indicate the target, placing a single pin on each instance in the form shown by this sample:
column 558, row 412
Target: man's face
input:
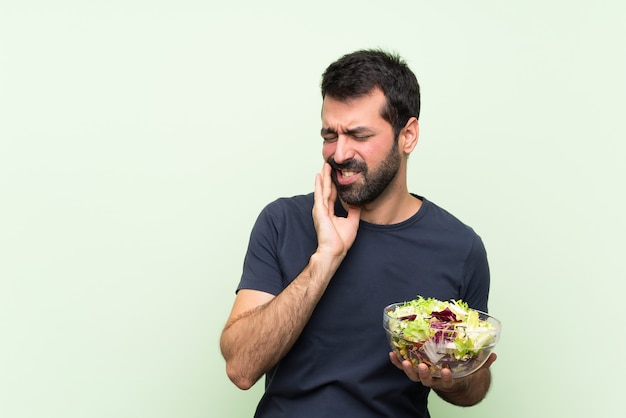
column 360, row 147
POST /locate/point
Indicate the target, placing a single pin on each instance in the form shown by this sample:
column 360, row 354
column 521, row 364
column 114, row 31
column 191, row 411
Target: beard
column 374, row 183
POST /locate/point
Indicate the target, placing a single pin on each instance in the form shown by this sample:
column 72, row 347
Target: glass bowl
column 449, row 345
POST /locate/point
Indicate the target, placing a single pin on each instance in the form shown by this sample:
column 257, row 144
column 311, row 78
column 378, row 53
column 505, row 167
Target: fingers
column 422, row 374
column 335, row 234
column 317, row 191
column 394, row 360
column 323, row 209
column 326, row 175
column 492, row 357
column 445, row 382
column 324, row 193
column 331, row 189
column 320, row 195
column 327, row 188
column 333, row 197
column 405, row 366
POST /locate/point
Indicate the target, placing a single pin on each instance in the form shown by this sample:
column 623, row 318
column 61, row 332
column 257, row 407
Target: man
column 321, row 267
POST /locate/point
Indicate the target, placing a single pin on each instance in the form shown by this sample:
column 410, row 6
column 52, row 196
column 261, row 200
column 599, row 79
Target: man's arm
column 262, row 328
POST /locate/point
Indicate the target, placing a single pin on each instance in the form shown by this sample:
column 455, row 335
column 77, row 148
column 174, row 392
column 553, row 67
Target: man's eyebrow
column 352, row 131
column 358, row 130
column 327, row 131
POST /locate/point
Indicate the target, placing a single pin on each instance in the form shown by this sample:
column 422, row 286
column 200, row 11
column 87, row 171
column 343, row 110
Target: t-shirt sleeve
column 261, row 269
column 477, row 277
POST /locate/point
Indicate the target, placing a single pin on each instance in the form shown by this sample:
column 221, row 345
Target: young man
column 321, row 267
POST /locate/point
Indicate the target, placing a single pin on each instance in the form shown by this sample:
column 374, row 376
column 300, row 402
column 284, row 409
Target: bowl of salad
column 441, row 334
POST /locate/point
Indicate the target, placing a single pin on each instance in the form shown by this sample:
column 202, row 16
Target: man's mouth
column 347, row 177
column 346, row 173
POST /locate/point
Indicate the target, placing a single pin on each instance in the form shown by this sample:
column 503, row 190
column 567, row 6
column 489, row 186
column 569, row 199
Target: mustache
column 349, row 165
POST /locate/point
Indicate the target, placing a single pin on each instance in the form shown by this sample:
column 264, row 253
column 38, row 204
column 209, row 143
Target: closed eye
column 360, row 133
column 329, row 135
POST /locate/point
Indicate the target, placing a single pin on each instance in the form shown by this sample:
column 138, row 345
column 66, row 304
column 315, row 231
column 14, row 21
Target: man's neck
column 389, row 210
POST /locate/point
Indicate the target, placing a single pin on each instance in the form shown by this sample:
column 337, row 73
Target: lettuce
column 443, row 326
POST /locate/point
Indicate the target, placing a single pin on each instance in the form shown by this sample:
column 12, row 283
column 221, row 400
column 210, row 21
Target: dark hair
column 356, row 74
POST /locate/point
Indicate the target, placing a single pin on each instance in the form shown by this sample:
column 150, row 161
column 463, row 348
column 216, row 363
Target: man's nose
column 343, row 150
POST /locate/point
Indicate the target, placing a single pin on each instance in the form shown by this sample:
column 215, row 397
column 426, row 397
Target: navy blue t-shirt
column 339, row 366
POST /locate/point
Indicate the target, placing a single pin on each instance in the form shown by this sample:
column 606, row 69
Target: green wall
column 140, row 139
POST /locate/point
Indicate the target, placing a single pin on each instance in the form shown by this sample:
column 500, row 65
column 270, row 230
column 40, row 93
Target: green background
column 140, row 139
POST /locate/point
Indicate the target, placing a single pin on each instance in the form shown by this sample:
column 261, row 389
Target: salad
column 441, row 334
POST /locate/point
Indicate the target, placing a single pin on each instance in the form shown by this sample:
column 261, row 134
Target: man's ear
column 409, row 135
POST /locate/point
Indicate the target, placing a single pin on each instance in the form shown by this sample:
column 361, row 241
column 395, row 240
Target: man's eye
column 329, row 138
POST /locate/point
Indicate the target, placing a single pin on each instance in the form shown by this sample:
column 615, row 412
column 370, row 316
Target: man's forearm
column 256, row 340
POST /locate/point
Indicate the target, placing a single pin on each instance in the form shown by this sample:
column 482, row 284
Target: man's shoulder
column 445, row 219
column 287, row 209
column 297, row 202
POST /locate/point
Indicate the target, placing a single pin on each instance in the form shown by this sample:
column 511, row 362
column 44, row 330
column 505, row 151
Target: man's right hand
column 335, row 234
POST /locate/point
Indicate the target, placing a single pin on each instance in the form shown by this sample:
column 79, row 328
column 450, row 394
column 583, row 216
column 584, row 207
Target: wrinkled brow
column 352, row 131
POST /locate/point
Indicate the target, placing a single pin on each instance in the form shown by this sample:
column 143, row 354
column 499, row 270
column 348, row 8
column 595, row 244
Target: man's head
column 357, row 74
column 369, row 122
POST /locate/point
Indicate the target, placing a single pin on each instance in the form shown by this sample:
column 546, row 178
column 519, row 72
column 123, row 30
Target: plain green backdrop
column 140, row 139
